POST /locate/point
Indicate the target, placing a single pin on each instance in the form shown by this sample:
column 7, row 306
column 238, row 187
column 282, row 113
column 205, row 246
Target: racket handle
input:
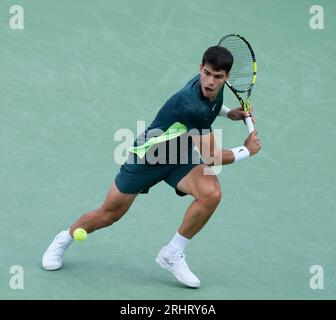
column 249, row 124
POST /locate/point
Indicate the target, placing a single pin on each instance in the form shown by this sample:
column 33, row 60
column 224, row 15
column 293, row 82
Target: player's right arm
column 212, row 155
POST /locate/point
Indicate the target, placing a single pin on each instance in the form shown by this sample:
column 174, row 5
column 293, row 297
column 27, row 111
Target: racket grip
column 249, row 124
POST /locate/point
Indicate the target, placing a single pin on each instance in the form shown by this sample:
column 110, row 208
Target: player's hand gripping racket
column 243, row 72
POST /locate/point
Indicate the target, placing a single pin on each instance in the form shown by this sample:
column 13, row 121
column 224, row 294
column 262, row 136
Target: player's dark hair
column 219, row 58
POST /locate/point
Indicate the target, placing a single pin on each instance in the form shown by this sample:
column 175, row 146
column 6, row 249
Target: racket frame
column 245, row 104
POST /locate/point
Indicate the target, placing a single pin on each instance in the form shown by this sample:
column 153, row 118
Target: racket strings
column 241, row 74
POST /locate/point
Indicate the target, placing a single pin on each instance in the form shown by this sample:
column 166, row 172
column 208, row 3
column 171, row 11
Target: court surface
column 80, row 70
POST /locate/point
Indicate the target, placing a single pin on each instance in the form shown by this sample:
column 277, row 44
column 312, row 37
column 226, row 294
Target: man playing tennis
column 191, row 110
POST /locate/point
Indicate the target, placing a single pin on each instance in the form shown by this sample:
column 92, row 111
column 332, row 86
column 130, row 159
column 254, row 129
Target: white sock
column 178, row 243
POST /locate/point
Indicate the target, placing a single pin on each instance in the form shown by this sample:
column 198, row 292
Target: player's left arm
column 214, row 156
column 209, row 151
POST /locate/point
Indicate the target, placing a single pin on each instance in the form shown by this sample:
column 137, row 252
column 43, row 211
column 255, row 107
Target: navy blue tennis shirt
column 188, row 107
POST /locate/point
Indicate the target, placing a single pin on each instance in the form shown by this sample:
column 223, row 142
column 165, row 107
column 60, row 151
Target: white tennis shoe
column 52, row 258
column 177, row 265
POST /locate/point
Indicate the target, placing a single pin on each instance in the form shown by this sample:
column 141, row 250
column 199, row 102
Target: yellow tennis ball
column 80, row 234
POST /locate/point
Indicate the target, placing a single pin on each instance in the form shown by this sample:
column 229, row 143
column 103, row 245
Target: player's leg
column 114, row 207
column 206, row 191
column 130, row 181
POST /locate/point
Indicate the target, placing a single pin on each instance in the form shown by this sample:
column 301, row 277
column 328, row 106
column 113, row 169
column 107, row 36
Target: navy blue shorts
column 139, row 178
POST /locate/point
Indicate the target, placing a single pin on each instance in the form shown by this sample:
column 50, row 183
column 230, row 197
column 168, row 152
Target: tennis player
column 184, row 121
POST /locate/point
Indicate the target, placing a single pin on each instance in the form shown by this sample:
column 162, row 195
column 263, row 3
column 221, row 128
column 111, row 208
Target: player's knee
column 109, row 217
column 106, row 219
column 216, row 197
column 211, row 196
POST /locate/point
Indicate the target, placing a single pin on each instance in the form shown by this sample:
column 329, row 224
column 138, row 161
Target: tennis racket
column 243, row 73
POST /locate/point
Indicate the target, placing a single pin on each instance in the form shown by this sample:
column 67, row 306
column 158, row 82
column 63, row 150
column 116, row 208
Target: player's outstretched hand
column 252, row 143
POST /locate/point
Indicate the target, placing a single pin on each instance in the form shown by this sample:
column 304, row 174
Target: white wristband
column 240, row 153
column 224, row 111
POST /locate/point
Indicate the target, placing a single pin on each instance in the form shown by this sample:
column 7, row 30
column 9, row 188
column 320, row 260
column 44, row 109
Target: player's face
column 212, row 81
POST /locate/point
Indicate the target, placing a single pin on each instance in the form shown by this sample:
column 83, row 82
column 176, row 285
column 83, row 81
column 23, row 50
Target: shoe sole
column 163, row 265
column 51, row 268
